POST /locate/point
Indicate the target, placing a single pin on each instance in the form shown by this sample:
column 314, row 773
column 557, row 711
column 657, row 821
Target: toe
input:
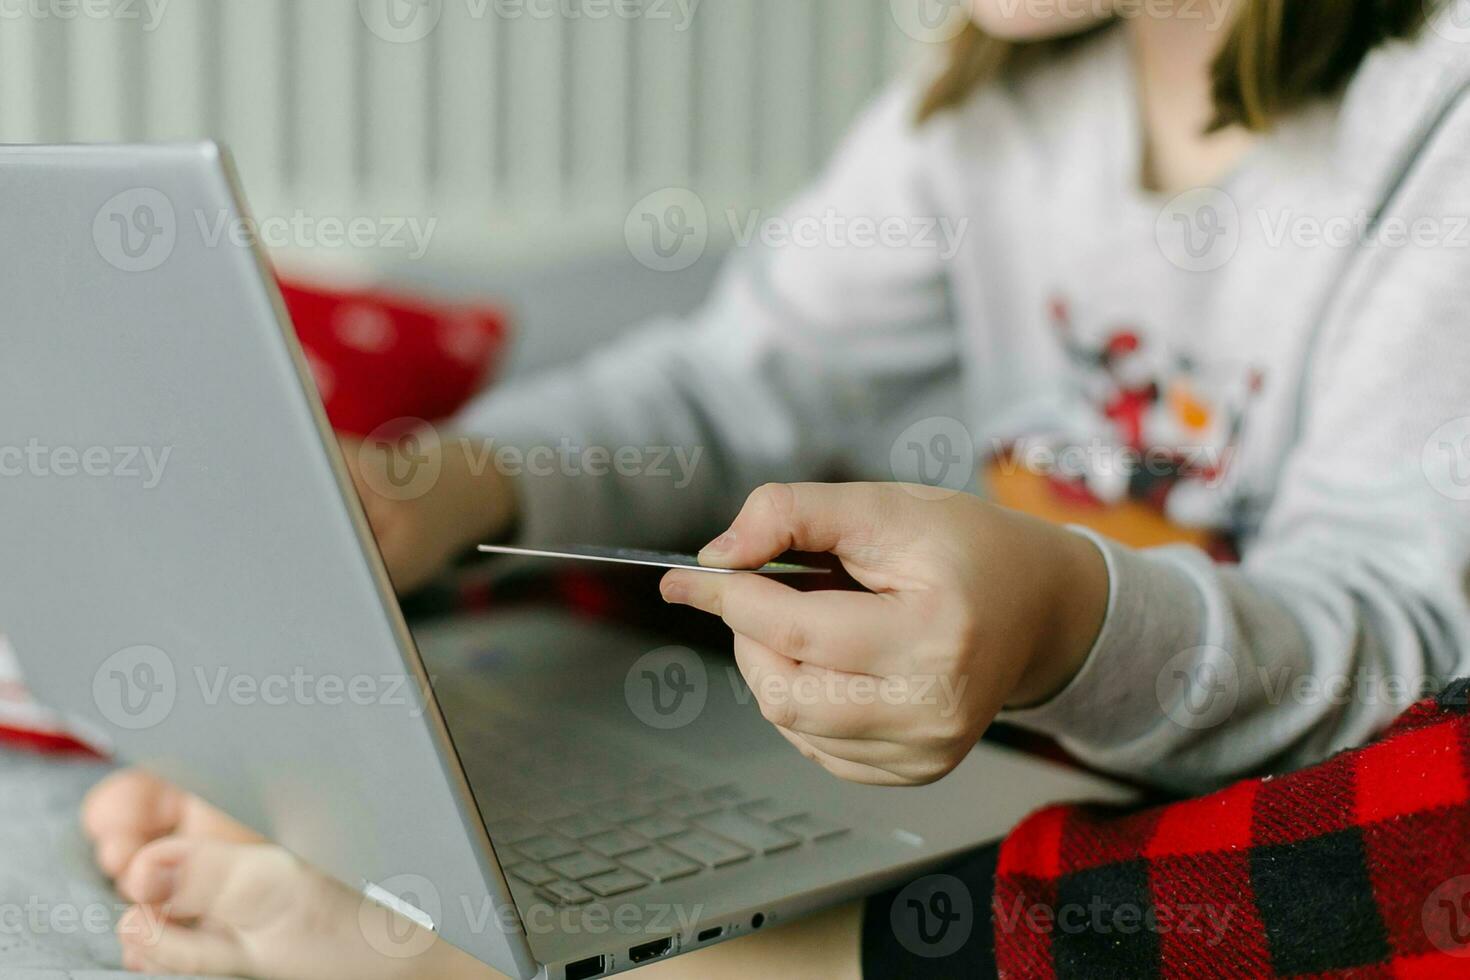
column 152, row 943
column 113, row 853
column 131, row 803
column 236, row 886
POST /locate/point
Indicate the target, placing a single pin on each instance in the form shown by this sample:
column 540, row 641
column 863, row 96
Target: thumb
column 844, row 519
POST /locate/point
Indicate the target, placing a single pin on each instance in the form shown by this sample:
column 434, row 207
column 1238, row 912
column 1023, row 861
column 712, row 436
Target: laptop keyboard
column 611, row 829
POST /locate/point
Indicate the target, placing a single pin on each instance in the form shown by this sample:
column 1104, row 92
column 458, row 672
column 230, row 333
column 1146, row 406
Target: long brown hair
column 1278, row 56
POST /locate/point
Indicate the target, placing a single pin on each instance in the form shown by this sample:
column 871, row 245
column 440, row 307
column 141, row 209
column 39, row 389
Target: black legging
column 937, row 927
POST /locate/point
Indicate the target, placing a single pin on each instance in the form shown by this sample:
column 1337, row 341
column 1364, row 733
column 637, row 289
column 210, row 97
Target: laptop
column 188, row 575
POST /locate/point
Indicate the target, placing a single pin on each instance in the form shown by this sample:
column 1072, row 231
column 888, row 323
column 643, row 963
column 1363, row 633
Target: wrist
column 1076, row 604
column 483, row 502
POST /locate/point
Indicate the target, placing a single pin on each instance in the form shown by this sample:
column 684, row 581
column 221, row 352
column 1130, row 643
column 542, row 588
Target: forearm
column 651, row 442
column 1203, row 672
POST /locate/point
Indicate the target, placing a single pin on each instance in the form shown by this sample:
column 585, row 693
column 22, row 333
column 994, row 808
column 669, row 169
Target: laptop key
column 748, row 832
column 622, row 810
column 567, row 893
column 689, row 807
column 548, row 808
column 727, row 795
column 771, row 811
column 581, row 865
column 614, row 883
column 655, row 790
column 689, row 779
column 658, row 826
column 707, row 849
column 532, row 873
column 615, row 843
column 659, row 864
column 545, row 848
column 581, row 825
column 811, row 828
column 512, row 830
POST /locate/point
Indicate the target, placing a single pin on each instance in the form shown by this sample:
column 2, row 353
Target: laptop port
column 586, row 969
column 758, row 920
column 714, row 932
column 644, row 952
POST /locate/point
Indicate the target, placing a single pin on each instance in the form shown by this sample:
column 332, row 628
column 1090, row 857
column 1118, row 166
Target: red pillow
column 379, row 356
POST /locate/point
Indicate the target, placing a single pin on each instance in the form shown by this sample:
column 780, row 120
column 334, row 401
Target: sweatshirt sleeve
column 807, row 344
column 1351, row 599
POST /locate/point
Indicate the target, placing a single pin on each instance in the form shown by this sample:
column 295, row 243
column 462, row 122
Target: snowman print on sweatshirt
column 1151, row 424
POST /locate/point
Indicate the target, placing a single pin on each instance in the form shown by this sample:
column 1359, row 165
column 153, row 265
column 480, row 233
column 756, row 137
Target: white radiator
column 520, row 125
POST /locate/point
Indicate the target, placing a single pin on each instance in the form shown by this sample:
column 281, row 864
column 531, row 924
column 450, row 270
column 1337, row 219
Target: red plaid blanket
column 1358, row 867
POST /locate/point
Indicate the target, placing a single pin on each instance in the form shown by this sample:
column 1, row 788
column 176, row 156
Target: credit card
column 649, row 559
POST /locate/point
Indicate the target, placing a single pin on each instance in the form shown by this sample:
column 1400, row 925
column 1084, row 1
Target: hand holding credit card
column 650, row 559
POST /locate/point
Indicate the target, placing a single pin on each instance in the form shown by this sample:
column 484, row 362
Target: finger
column 153, row 944
column 853, row 772
column 845, row 631
column 859, row 521
column 801, row 697
column 880, row 753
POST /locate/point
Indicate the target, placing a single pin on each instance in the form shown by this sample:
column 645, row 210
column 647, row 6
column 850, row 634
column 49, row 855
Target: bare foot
column 131, row 808
column 210, row 907
column 206, row 906
column 211, row 897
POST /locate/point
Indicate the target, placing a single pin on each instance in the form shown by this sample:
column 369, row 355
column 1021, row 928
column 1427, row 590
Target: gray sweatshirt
column 1284, row 357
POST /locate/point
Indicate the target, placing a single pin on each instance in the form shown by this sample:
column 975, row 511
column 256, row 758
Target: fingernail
column 721, row 545
column 673, row 591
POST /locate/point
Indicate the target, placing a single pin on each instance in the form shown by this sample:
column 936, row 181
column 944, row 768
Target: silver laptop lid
column 181, row 569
